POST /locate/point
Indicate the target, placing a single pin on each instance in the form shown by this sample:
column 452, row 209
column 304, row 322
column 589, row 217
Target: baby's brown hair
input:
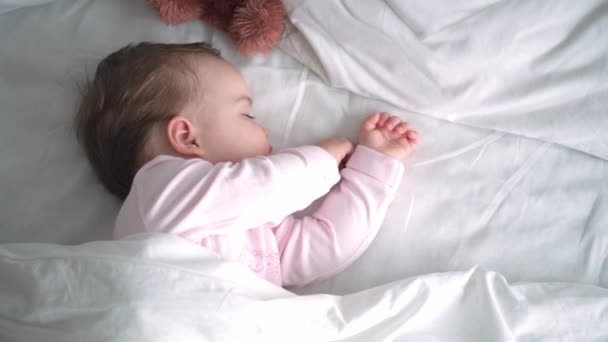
column 134, row 88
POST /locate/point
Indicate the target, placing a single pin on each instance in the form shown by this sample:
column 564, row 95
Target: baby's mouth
column 269, row 149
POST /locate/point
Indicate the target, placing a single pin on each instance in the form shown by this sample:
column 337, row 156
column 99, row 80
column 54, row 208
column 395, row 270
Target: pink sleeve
column 194, row 198
column 332, row 237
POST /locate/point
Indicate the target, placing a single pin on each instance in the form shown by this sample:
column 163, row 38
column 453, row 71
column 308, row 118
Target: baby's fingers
column 383, row 118
column 350, row 148
column 412, row 136
column 405, row 143
column 371, row 121
column 402, row 127
column 392, row 122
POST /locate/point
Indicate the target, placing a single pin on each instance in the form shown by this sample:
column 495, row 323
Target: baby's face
column 229, row 133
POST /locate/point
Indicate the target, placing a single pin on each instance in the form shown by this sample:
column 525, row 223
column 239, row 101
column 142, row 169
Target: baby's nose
column 265, row 131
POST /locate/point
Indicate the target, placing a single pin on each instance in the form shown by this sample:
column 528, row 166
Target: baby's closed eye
column 249, row 116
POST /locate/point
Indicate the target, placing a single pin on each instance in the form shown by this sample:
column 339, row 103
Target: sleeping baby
column 168, row 128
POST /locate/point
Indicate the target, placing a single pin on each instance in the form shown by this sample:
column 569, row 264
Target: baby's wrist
column 376, row 164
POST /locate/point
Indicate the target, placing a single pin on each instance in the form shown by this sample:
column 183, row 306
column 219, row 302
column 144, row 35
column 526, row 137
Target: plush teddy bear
column 255, row 26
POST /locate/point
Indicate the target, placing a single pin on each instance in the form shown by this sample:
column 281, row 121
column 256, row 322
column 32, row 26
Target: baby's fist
column 339, row 148
column 388, row 135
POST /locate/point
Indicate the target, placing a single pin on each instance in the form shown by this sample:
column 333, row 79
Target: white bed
column 499, row 231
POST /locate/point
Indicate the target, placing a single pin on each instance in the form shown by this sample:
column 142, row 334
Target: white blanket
column 163, row 288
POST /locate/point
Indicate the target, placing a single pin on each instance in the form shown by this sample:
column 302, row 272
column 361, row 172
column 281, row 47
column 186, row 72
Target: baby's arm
column 324, row 243
column 194, row 198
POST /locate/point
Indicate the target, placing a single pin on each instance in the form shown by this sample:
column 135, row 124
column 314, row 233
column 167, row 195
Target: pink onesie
column 245, row 211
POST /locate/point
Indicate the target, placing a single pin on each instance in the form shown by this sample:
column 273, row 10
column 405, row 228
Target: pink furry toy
column 255, row 26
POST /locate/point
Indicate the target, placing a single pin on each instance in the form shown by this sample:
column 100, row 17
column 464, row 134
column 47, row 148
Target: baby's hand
column 339, row 148
column 388, row 134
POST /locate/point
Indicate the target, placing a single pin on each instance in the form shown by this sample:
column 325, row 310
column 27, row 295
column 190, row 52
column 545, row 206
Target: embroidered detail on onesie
column 258, row 261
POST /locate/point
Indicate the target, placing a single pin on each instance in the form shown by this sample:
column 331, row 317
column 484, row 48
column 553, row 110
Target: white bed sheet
column 530, row 209
column 533, row 68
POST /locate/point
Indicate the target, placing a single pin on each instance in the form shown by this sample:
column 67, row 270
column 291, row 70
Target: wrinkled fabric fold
column 531, row 68
column 106, row 291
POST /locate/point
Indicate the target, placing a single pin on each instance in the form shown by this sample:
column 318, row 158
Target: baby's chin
column 267, row 152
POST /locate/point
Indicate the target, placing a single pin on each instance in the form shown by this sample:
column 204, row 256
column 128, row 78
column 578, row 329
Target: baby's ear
column 184, row 137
